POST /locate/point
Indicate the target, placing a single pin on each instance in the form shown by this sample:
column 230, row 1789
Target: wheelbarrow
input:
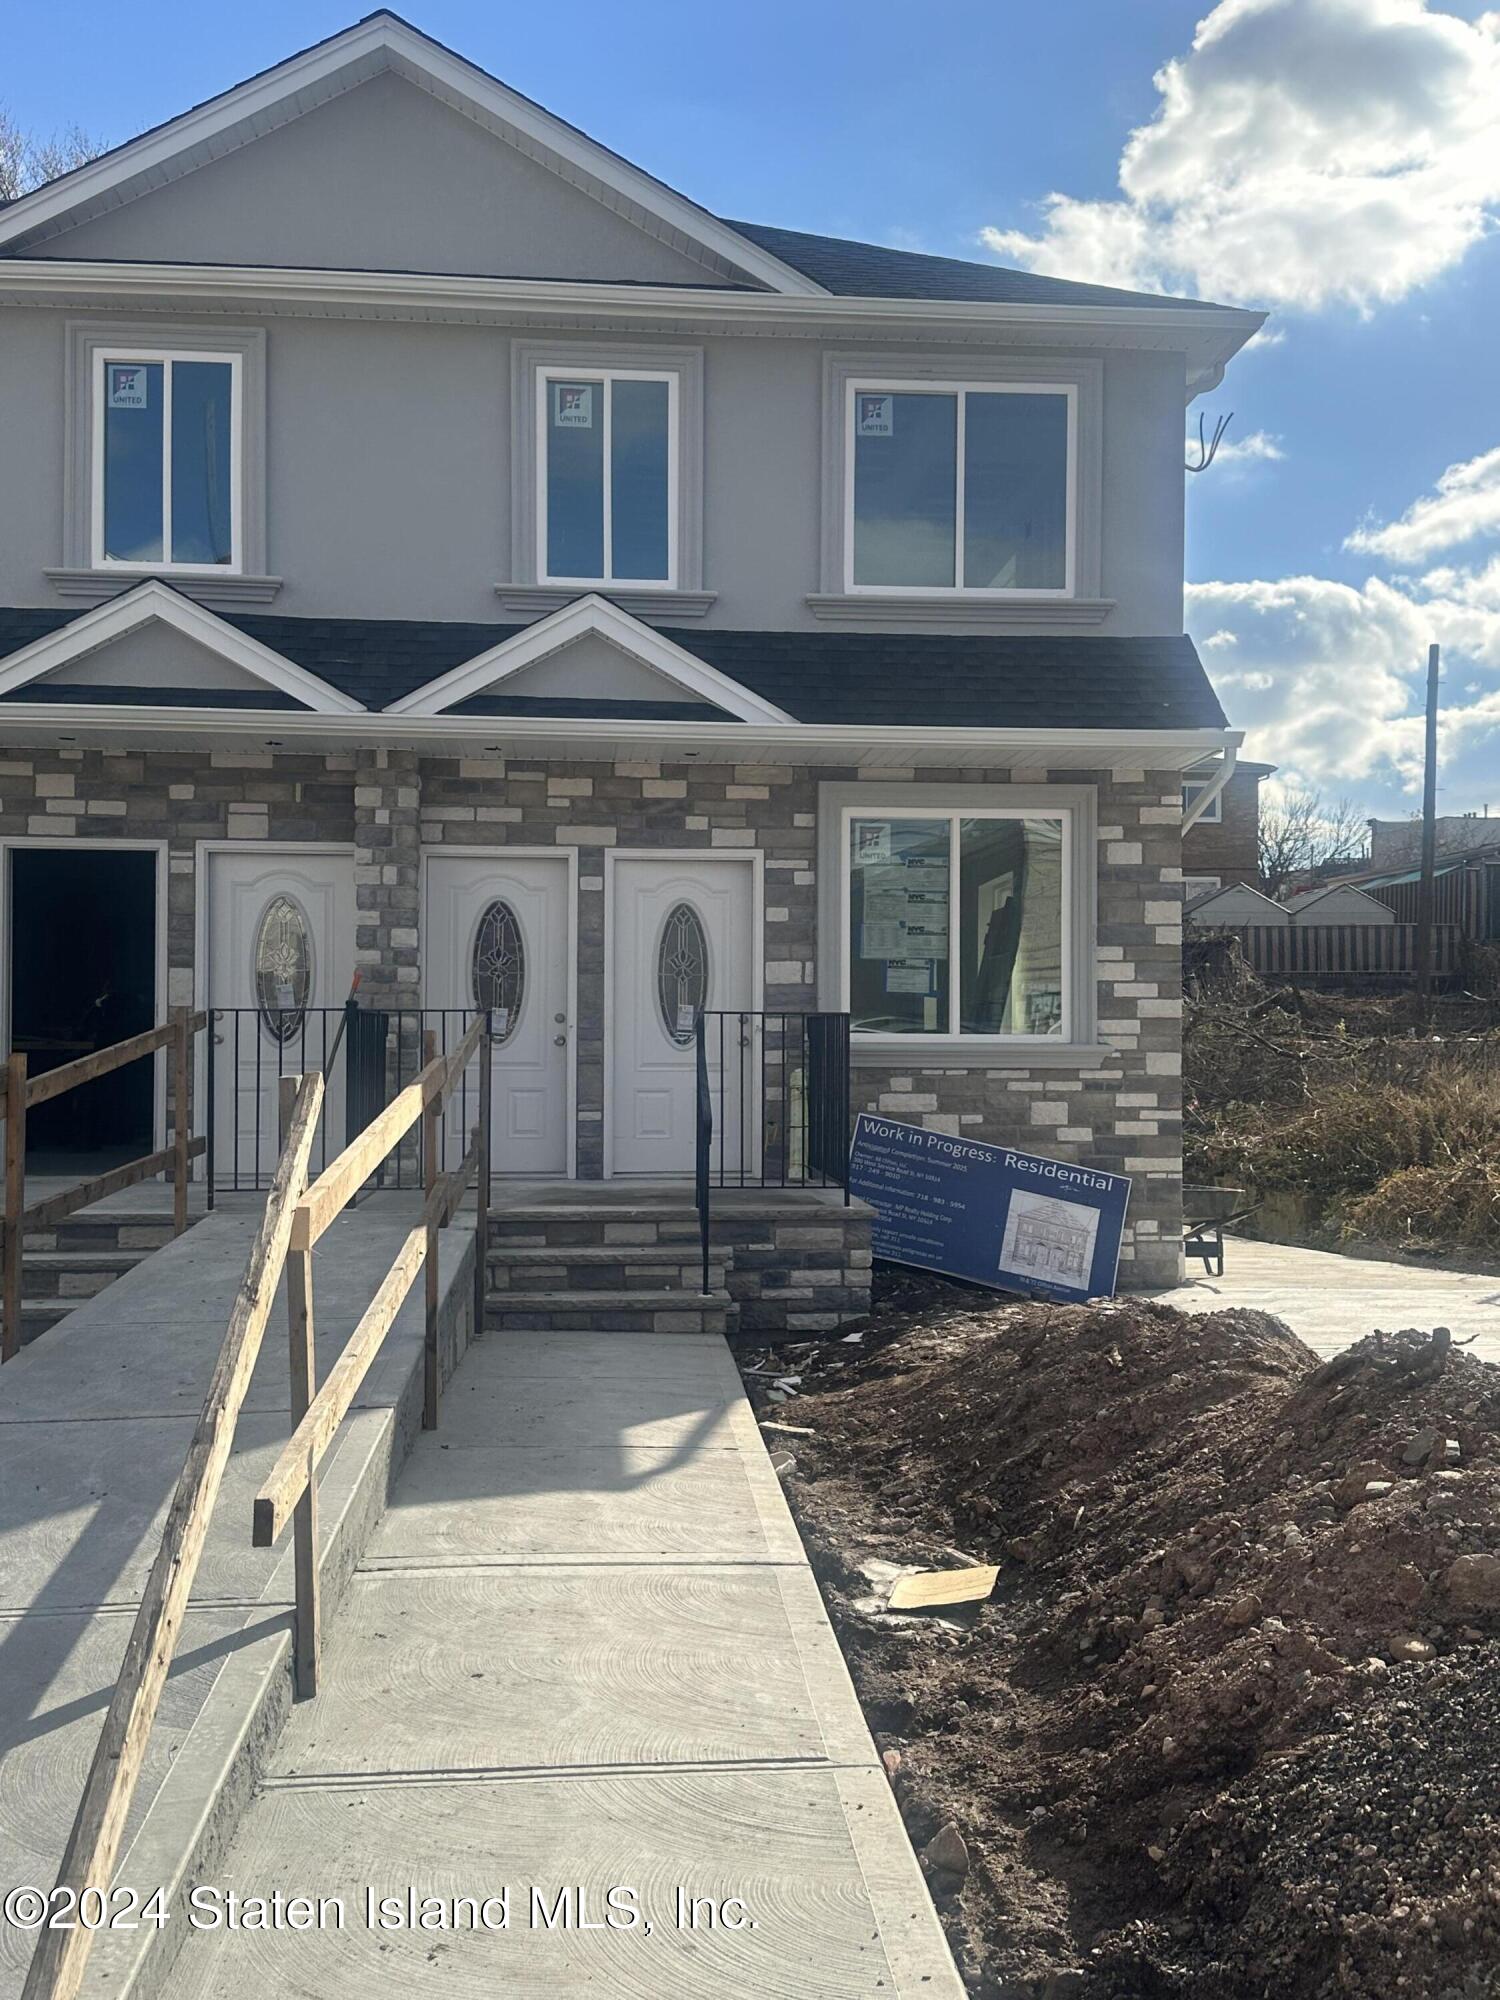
column 1206, row 1213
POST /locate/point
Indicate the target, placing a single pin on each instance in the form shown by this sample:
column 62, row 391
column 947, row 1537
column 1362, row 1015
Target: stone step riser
column 562, row 1276
column 73, row 1283
column 143, row 1236
column 789, row 1265
column 616, row 1318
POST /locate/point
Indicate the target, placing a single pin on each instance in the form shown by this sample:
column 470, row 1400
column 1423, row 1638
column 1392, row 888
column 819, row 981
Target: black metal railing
column 773, row 1104
column 366, row 1054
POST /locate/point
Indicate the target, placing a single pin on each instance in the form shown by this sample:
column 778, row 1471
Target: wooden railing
column 23, row 1095
column 296, row 1216
column 93, row 1847
column 290, row 1492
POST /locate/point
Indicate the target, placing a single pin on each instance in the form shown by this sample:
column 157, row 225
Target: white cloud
column 1327, row 678
column 1305, row 152
column 1255, row 447
column 1464, row 504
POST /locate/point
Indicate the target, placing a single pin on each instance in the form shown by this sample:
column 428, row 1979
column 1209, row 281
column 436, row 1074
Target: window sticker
column 573, row 406
column 872, row 842
column 128, row 383
column 910, row 975
column 882, row 940
column 875, row 415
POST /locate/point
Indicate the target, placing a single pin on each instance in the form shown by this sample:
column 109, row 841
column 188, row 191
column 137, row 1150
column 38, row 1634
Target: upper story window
column 607, row 472
column 166, row 460
column 957, row 487
column 1213, row 813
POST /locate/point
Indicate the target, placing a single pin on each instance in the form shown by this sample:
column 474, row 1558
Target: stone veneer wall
column 1125, row 1113
column 181, row 797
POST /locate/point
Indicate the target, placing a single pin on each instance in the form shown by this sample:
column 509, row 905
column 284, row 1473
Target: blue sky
column 1335, row 160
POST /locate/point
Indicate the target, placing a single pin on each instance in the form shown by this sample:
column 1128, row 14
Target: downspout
column 1193, row 813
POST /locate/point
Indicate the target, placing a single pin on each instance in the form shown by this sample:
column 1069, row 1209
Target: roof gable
column 379, row 44
column 591, row 651
column 108, row 647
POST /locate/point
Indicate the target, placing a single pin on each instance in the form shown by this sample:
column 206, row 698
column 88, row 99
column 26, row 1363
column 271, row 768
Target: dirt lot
column 1230, row 1724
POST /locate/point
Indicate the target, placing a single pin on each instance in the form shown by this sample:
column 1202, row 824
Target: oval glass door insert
column 498, row 970
column 682, row 973
column 283, row 969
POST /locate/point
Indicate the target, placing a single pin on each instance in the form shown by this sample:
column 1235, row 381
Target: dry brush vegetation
column 1371, row 1120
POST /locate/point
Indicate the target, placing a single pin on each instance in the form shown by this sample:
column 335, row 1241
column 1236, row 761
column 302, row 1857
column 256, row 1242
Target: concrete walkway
column 95, row 1418
column 584, row 1652
column 1331, row 1301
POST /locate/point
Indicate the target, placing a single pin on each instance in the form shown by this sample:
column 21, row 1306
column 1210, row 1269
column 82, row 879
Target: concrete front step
column 75, row 1274
column 125, row 1229
column 610, row 1311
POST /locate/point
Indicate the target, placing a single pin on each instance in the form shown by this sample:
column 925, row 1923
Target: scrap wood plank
column 931, row 1588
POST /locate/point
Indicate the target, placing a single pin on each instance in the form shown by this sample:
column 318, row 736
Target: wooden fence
column 23, row 1094
column 1294, row 950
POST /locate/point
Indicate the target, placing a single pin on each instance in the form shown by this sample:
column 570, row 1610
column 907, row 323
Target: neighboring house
column 1337, row 903
column 1397, row 843
column 1222, row 846
column 1238, row 904
column 434, row 548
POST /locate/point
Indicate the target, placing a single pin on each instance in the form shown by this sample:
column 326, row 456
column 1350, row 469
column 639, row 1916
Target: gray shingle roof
column 870, row 271
column 907, row 680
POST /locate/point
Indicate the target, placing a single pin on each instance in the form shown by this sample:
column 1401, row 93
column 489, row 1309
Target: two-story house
column 434, row 549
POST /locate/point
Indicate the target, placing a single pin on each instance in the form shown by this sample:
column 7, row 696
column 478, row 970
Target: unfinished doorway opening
column 82, row 953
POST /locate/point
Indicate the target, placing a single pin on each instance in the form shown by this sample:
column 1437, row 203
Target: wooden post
column 431, row 1383
column 307, row 1644
column 182, row 1124
column 15, row 1202
column 1429, row 834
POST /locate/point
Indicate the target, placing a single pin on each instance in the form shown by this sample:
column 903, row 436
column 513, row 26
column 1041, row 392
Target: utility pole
column 1429, row 835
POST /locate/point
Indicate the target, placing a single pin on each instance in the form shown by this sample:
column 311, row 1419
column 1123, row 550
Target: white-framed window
column 956, row 487
column 166, row 477
column 1198, row 885
column 607, row 476
column 957, row 921
column 1213, row 813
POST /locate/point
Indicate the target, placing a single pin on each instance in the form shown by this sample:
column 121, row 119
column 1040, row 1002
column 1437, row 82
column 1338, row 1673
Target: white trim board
column 70, row 843
column 383, row 41
column 591, row 616
column 153, row 601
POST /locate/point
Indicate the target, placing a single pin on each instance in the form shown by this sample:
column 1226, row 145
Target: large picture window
column 957, row 923
column 166, row 461
column 958, row 488
column 607, row 477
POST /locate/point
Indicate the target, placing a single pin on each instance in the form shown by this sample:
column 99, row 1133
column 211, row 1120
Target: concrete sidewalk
column 1331, row 1301
column 584, row 1652
column 95, row 1419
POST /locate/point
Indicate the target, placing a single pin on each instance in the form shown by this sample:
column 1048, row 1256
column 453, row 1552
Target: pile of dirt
column 1228, row 1724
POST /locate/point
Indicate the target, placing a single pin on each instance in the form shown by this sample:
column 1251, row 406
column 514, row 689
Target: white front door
column 280, row 964
column 683, row 939
column 498, row 934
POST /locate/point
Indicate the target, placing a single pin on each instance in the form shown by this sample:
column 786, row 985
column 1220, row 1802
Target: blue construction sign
column 989, row 1214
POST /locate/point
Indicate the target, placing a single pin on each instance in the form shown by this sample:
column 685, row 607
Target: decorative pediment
column 591, row 651
column 154, row 638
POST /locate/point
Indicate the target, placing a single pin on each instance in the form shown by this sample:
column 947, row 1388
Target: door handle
column 559, row 1041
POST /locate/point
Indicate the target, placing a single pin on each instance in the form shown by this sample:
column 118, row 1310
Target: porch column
column 387, row 865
